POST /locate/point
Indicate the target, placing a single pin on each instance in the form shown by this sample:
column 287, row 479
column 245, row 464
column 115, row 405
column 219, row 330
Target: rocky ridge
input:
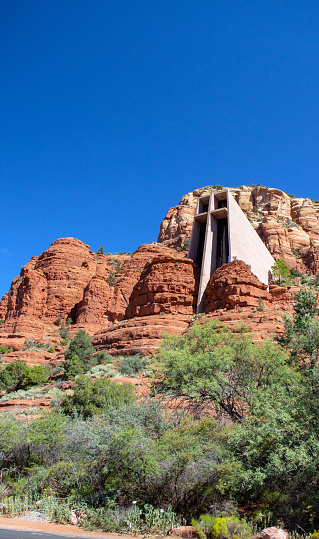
column 128, row 302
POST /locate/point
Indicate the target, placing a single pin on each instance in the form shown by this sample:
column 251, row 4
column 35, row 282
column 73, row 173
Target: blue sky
column 111, row 111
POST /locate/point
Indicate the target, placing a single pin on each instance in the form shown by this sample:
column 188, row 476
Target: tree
column 212, row 367
column 79, row 357
column 12, row 375
column 280, row 272
column 301, row 335
column 100, row 251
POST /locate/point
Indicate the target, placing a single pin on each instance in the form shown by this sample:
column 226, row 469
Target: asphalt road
column 21, row 534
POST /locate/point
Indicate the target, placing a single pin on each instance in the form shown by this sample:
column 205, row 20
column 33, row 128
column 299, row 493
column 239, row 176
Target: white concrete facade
column 215, row 243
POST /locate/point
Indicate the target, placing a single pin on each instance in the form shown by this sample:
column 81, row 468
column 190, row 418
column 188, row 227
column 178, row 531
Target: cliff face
column 128, row 302
column 69, row 281
column 288, row 226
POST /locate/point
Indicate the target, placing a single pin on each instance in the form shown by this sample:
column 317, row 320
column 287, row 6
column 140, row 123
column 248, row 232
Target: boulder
column 273, row 533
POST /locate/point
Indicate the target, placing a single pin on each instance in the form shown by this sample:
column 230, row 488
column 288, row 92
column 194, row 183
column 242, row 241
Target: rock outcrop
column 69, row 281
column 234, row 285
column 130, row 302
column 273, row 533
column 139, row 335
column 167, row 285
column 288, row 226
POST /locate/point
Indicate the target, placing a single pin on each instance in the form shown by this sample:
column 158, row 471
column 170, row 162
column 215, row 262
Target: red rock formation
column 139, row 335
column 130, row 275
column 168, row 284
column 234, row 285
column 68, row 280
column 154, row 290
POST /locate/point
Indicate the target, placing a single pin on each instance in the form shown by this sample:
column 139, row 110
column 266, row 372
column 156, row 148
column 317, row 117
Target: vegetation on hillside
column 243, row 439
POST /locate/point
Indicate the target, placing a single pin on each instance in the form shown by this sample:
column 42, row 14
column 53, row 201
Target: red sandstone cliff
column 129, row 302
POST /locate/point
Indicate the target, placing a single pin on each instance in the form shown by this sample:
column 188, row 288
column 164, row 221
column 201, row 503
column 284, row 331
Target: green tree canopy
column 280, row 272
column 212, row 367
column 79, row 357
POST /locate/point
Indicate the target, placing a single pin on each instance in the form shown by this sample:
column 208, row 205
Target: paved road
column 22, row 534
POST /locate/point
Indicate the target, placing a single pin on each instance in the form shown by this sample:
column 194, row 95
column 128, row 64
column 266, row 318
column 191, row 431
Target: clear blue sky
column 111, row 111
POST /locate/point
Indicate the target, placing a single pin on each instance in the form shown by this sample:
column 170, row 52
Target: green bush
column 101, row 371
column 12, row 375
column 103, row 357
column 100, row 251
column 111, row 279
column 221, row 527
column 91, row 397
column 17, row 375
column 64, row 333
column 79, row 357
column 58, row 321
column 133, row 364
column 5, row 349
column 34, row 376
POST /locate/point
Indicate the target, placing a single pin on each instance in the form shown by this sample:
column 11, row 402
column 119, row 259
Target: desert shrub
column 5, row 349
column 104, row 357
column 11, row 375
column 311, row 281
column 58, row 321
column 111, row 279
column 31, row 344
column 17, row 375
column 211, row 367
column 91, row 397
column 222, row 527
column 79, row 357
column 133, row 364
column 185, row 246
column 295, row 252
column 65, row 334
column 100, row 371
column 100, row 251
column 148, row 415
column 35, row 376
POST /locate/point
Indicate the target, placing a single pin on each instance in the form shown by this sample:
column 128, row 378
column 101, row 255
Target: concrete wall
column 206, row 265
column 193, row 244
column 245, row 244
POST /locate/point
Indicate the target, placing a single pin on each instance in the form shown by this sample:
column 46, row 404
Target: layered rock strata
column 130, row 302
column 68, row 280
column 234, row 285
column 141, row 335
